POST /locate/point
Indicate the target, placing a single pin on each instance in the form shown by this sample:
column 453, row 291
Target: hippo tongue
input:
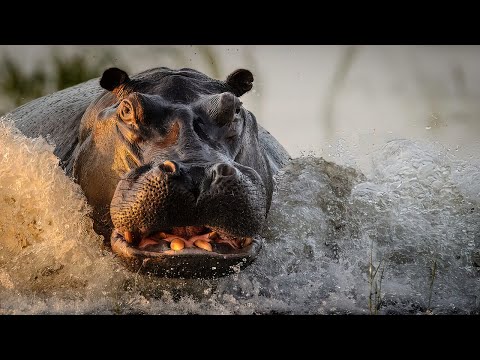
column 189, row 231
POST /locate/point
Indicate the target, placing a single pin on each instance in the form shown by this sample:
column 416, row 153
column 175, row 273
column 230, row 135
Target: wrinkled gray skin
column 114, row 142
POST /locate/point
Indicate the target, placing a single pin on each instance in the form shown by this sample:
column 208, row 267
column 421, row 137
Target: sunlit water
column 401, row 240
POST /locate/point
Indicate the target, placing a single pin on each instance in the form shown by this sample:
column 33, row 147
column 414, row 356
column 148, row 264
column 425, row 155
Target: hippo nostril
column 169, row 167
column 223, row 170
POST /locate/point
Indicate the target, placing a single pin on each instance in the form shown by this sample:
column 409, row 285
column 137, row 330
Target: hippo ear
column 240, row 81
column 113, row 78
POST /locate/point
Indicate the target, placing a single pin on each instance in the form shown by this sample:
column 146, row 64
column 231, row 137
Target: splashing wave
column 403, row 240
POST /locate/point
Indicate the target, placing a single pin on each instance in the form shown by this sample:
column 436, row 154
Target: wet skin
column 176, row 169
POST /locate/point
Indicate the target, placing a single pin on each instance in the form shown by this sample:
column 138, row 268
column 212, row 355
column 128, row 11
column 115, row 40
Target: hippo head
column 171, row 163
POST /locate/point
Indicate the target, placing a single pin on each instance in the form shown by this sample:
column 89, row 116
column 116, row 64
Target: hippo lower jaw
column 189, row 252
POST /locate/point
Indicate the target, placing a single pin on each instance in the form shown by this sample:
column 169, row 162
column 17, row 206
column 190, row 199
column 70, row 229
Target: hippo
column 178, row 173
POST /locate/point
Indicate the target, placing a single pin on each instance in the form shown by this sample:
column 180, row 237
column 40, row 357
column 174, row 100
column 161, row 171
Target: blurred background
column 339, row 102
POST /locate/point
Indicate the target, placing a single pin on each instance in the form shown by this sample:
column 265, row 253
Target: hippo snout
column 199, row 179
column 218, row 197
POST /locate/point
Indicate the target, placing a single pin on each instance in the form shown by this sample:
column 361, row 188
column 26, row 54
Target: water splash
column 415, row 220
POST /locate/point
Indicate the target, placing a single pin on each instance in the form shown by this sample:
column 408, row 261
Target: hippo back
column 57, row 116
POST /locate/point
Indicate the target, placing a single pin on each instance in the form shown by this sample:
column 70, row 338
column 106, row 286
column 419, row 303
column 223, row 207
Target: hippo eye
column 126, row 111
column 222, row 108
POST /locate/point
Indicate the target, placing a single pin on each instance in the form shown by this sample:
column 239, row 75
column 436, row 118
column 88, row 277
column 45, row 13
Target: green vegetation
column 375, row 283
column 19, row 86
column 76, row 69
column 59, row 70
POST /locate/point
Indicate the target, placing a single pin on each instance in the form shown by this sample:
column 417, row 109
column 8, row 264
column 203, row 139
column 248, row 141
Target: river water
column 401, row 238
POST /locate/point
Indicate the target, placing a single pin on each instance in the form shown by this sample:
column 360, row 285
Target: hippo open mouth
column 190, row 251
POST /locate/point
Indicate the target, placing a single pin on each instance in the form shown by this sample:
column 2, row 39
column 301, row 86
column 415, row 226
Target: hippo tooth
column 247, row 241
column 161, row 235
column 128, row 236
column 202, row 244
column 213, row 235
column 177, row 244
